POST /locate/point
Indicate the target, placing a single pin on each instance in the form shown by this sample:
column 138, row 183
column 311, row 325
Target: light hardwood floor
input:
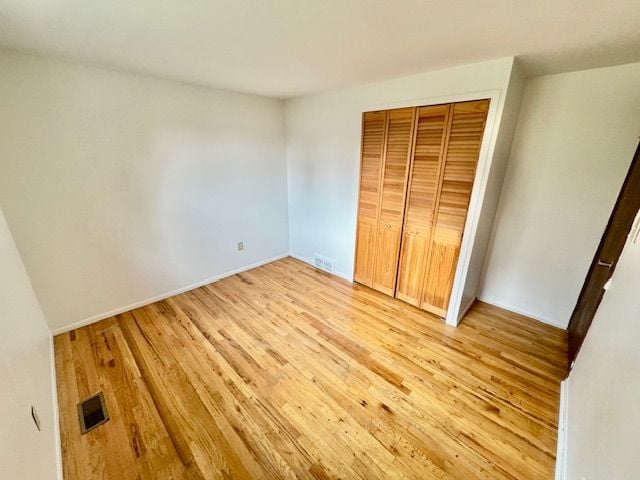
column 286, row 372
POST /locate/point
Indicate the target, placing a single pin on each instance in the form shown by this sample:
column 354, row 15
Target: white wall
column 26, row 366
column 119, row 188
column 323, row 148
column 491, row 195
column 574, row 141
column 604, row 386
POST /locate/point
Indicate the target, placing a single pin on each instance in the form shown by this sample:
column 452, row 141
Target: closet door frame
column 460, row 300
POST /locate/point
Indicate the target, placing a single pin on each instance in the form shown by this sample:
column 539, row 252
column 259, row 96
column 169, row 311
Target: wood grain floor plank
column 289, row 373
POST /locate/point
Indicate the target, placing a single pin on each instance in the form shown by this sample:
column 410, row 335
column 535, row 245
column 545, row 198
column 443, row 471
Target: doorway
column 606, row 257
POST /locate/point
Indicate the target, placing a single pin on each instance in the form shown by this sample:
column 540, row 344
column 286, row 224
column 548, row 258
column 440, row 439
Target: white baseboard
column 561, row 452
column 163, row 296
column 346, row 277
column 553, row 323
column 56, row 411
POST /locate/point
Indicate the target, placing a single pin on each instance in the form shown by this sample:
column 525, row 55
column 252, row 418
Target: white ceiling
column 286, row 48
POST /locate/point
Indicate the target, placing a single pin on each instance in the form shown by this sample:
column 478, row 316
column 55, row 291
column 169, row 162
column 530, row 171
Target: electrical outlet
column 34, row 415
column 240, row 245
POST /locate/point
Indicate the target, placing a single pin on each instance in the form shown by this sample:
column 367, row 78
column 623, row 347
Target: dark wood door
column 606, row 257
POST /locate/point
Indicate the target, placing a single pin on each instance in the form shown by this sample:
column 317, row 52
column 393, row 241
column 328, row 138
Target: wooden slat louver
column 392, row 197
column 422, row 193
column 374, row 127
column 456, row 183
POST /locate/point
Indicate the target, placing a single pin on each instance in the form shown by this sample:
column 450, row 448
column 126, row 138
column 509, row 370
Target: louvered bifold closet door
column 422, row 192
column 395, row 170
column 374, row 128
column 460, row 159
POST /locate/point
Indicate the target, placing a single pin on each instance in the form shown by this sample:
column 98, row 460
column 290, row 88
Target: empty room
column 319, row 239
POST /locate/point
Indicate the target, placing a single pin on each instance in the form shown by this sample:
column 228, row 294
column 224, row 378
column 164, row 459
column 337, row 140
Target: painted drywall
column 119, row 188
column 26, row 366
column 473, row 275
column 574, row 141
column 295, row 47
column 603, row 388
column 323, row 144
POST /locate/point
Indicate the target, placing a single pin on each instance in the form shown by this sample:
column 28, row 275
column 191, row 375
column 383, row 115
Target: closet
column 417, row 171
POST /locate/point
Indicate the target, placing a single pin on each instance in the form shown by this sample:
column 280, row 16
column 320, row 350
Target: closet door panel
column 374, row 125
column 441, row 270
column 460, row 161
column 397, row 154
column 387, row 259
column 396, row 164
column 413, row 261
column 365, row 253
column 422, row 192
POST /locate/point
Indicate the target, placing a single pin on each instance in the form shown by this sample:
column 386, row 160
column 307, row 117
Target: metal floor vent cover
column 92, row 412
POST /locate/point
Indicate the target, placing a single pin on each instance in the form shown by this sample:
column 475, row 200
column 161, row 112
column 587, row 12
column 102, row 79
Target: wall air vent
column 92, row 412
column 325, row 264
